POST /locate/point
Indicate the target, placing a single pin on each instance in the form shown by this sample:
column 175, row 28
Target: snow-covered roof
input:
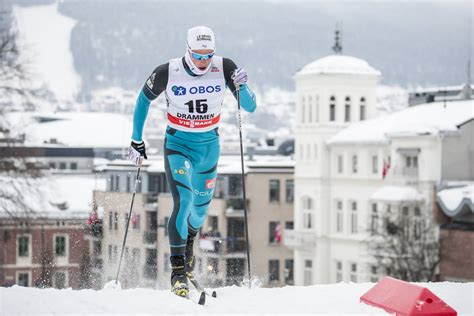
column 457, row 201
column 430, row 118
column 59, row 196
column 397, row 194
column 339, row 64
column 75, row 129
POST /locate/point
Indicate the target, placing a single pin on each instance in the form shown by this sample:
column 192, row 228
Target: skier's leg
column 178, row 169
column 203, row 183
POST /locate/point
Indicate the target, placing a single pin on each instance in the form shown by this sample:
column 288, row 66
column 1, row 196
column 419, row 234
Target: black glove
column 140, row 147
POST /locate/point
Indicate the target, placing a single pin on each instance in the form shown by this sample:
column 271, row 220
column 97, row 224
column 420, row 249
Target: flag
column 386, row 167
column 278, row 233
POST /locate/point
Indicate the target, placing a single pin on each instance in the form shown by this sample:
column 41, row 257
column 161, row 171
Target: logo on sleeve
column 178, row 90
column 151, row 81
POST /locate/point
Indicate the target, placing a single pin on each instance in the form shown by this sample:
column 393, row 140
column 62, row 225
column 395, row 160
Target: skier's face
column 202, row 57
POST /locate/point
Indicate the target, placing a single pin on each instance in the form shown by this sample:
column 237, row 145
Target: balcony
column 150, row 237
column 235, row 207
column 299, row 238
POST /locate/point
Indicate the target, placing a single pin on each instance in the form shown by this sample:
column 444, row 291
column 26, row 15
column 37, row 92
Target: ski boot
column 179, row 280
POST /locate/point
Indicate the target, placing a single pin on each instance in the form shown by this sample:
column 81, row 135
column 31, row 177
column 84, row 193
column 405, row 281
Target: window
column 354, row 272
column 354, row 164
column 111, row 183
column 274, row 270
column 301, row 153
column 308, row 272
column 340, row 164
column 59, row 280
column 290, row 191
column 116, row 218
column 332, row 109
column 73, row 166
column 415, row 161
column 23, row 246
column 418, row 225
column 128, row 182
column 110, row 253
column 60, row 246
column 303, row 109
column 235, row 185
column 375, row 164
column 307, row 204
column 110, row 221
column 274, row 190
column 339, row 217
column 115, row 253
column 289, row 271
column 62, row 165
column 338, row 271
column 52, row 165
column 117, row 183
column 374, row 277
column 274, row 233
column 310, row 110
column 317, row 109
column 289, row 225
column 354, row 223
column 405, row 221
column 347, row 113
column 362, row 109
column 139, row 185
column 23, row 279
column 374, row 220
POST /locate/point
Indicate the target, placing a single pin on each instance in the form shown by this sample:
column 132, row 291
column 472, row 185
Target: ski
column 198, row 287
column 200, row 301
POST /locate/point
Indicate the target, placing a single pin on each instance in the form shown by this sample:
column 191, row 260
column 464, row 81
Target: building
column 221, row 247
column 44, row 239
column 343, row 152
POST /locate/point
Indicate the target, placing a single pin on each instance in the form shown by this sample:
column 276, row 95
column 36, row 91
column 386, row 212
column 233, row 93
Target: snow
column 430, row 118
column 60, row 196
column 46, row 34
column 397, row 194
column 339, row 64
column 453, row 198
column 75, row 129
column 333, row 299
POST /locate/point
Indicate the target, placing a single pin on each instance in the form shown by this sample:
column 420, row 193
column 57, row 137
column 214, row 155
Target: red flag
column 278, row 233
column 386, row 166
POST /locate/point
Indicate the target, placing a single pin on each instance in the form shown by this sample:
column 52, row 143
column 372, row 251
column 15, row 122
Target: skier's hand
column 239, row 77
column 136, row 151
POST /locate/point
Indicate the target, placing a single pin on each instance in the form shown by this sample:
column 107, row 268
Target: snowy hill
column 334, row 299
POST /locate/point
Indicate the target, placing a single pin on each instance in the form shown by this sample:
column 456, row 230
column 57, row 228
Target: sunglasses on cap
column 201, row 56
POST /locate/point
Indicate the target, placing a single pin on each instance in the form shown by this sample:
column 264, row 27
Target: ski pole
column 243, row 182
column 129, row 216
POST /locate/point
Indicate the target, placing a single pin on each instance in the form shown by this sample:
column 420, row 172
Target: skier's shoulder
column 161, row 70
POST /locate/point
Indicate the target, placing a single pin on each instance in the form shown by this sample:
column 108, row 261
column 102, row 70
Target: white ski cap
column 201, row 37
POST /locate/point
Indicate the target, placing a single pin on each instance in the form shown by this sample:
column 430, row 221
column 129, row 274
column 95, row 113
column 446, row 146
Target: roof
column 397, row 194
column 429, row 118
column 457, row 201
column 77, row 129
column 339, row 64
column 59, row 196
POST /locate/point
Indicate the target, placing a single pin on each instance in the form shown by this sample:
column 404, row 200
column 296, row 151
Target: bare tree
column 405, row 247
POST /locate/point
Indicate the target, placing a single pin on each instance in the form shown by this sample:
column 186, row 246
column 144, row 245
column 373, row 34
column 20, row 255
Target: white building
column 339, row 191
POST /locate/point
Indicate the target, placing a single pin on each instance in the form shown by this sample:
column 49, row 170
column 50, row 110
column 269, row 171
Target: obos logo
column 178, row 90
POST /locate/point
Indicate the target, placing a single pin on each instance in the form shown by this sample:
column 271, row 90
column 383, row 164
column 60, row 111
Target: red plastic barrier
column 405, row 299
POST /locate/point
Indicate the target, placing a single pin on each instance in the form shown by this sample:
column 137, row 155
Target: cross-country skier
column 194, row 87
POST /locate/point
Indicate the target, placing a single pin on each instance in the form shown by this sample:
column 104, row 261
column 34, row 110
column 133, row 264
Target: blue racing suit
column 191, row 149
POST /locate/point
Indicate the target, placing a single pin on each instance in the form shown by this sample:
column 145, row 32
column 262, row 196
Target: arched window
column 332, row 109
column 347, row 112
column 316, row 111
column 362, row 109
